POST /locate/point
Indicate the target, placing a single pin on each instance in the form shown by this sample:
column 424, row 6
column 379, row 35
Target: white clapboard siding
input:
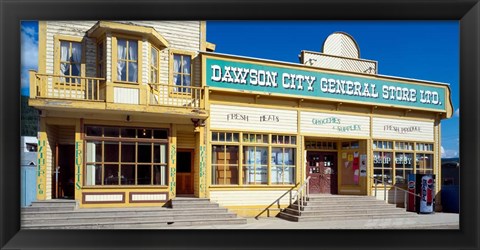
column 422, row 130
column 125, row 95
column 282, row 120
column 250, row 198
column 338, row 63
column 360, row 124
column 186, row 139
column 340, row 44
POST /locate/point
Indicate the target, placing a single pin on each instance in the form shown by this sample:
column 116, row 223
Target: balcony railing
column 98, row 90
column 176, row 96
column 67, row 87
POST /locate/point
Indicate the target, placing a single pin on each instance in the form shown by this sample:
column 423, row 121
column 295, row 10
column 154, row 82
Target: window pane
column 94, row 175
column 186, row 82
column 132, row 50
column 144, row 175
column 159, row 154
column 122, row 49
column 94, row 151
column 144, row 133
column 160, row 134
column 111, row 174
column 132, row 71
column 144, row 152
column 186, row 65
column 111, row 132
column 128, row 152
column 128, row 132
column 177, row 63
column 159, row 175
column 214, row 136
column 111, row 151
column 154, row 58
column 128, row 175
column 94, row 131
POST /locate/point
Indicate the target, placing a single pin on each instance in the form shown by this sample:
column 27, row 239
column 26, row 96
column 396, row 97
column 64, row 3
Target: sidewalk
column 422, row 221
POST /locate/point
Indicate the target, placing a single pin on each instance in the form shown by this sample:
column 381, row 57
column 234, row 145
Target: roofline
column 311, row 67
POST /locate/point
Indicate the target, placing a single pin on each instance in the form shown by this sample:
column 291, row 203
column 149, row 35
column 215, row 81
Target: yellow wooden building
column 138, row 113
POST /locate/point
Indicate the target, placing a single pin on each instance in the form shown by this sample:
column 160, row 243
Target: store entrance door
column 185, row 172
column 322, row 169
column 63, row 185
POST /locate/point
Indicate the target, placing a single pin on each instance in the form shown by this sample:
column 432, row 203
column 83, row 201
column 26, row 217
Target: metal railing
column 405, row 192
column 68, row 87
column 301, row 196
column 176, row 96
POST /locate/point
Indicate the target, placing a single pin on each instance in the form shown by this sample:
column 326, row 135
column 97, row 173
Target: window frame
column 172, row 86
column 138, row 39
column 397, row 149
column 57, row 60
column 119, row 164
column 241, row 143
column 152, row 68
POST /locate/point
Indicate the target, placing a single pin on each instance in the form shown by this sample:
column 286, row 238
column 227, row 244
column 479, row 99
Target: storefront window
column 405, row 153
column 139, row 160
column 224, row 165
column 255, row 165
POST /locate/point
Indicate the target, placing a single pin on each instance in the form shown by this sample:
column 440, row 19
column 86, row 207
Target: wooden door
column 322, row 169
column 185, row 171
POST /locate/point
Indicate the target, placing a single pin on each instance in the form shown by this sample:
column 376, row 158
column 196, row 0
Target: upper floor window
column 71, row 60
column 127, row 60
column 100, row 60
column 182, row 72
column 154, row 65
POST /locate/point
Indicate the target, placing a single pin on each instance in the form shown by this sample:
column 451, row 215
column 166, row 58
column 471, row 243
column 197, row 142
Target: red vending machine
column 424, row 186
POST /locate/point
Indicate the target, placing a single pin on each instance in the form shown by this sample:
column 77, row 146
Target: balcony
column 57, row 91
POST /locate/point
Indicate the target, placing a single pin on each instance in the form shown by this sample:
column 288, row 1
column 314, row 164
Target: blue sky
column 427, row 50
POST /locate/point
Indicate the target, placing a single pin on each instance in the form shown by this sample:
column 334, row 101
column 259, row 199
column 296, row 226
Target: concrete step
column 111, row 218
column 39, row 208
column 329, row 207
column 194, row 205
column 139, row 225
column 81, row 213
column 345, row 212
column 54, row 203
column 291, row 217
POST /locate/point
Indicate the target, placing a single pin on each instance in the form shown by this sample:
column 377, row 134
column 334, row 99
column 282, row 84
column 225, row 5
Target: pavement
column 422, row 222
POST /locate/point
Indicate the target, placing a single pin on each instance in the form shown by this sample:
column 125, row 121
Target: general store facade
column 138, row 113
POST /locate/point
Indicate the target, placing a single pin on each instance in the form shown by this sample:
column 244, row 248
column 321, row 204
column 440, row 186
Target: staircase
column 343, row 207
column 63, row 214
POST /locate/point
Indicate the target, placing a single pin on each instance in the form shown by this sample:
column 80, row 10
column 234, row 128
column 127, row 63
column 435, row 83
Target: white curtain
column 76, row 58
column 133, row 66
column 64, row 57
column 186, row 70
column 176, row 69
column 121, row 54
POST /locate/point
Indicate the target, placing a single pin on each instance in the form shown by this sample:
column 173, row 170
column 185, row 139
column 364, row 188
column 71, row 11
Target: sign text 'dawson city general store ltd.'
column 250, row 76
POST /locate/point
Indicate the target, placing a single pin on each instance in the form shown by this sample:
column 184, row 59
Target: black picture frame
column 12, row 12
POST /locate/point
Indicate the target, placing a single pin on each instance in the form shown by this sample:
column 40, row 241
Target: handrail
column 395, row 194
column 300, row 201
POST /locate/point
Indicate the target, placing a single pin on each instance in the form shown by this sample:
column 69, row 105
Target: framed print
column 157, row 111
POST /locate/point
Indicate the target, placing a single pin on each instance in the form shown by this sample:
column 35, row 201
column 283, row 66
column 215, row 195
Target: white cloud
column 456, row 113
column 29, row 52
column 449, row 153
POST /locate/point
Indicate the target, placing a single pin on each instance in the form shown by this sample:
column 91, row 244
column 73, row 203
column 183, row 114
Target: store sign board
column 252, row 119
column 402, row 129
column 223, row 73
column 334, row 124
